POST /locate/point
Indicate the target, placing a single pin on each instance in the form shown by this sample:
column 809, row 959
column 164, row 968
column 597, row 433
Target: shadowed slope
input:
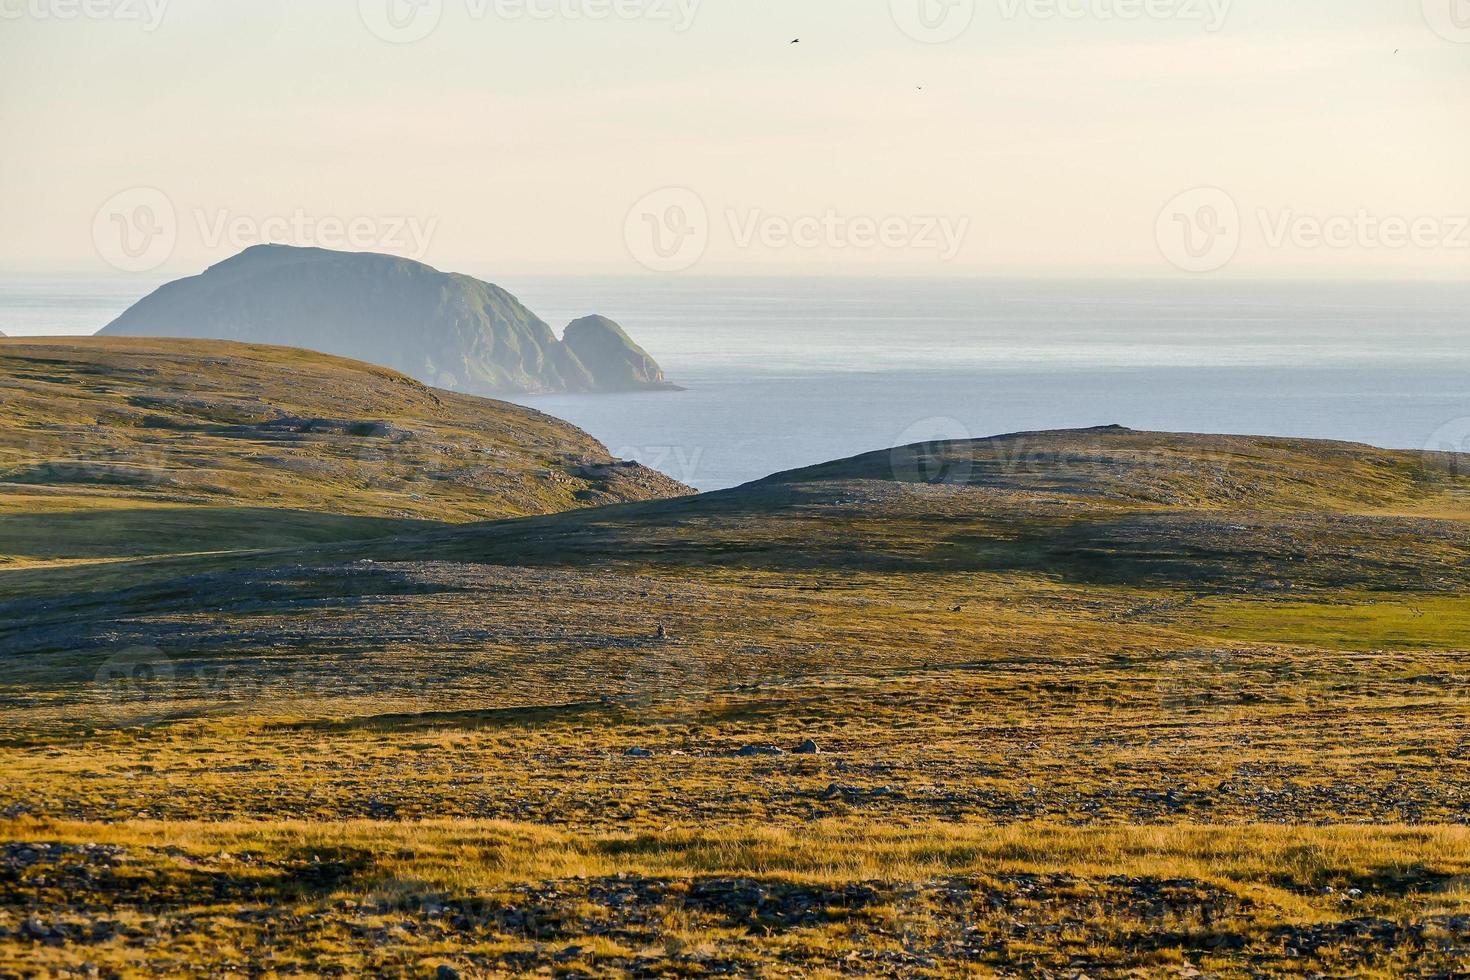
column 1210, row 515
column 1097, row 505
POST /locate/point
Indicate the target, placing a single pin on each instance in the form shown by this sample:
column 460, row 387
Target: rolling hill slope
column 1209, row 533
column 1105, row 701
column 111, row 447
column 1097, row 506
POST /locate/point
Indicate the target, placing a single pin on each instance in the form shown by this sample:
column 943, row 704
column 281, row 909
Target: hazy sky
column 923, row 137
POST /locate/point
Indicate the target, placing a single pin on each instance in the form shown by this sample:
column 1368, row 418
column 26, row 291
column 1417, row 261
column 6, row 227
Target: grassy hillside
column 1095, row 702
column 113, row 448
column 1100, row 506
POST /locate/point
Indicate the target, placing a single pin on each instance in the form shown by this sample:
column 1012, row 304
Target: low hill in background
column 1099, row 507
column 124, row 446
column 448, row 330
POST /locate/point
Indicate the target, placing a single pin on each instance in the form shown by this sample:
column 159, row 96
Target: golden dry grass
column 831, row 898
column 1100, row 703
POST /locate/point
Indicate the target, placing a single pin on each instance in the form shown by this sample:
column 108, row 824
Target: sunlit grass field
column 828, row 898
column 1095, row 703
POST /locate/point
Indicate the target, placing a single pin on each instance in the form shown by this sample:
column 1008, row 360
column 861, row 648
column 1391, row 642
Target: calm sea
column 785, row 373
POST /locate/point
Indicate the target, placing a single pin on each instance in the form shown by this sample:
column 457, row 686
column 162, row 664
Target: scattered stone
column 855, row 793
column 808, row 747
column 753, row 750
column 446, row 972
column 779, row 905
column 638, row 753
column 18, row 855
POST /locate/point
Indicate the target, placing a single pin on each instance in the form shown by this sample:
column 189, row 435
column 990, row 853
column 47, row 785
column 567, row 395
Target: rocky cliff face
column 611, row 355
column 447, row 330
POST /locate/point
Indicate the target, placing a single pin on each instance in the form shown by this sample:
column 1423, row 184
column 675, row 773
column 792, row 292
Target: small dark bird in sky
column 797, row 41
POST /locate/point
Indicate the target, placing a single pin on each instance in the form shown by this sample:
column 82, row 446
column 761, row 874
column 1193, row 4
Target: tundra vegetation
column 311, row 670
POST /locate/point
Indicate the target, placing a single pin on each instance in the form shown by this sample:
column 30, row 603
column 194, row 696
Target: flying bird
column 797, row 41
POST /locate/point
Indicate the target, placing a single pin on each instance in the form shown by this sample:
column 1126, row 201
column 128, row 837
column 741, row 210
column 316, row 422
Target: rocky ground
column 1104, row 704
column 293, row 905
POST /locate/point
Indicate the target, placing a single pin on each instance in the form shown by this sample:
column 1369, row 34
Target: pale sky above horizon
column 686, row 137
